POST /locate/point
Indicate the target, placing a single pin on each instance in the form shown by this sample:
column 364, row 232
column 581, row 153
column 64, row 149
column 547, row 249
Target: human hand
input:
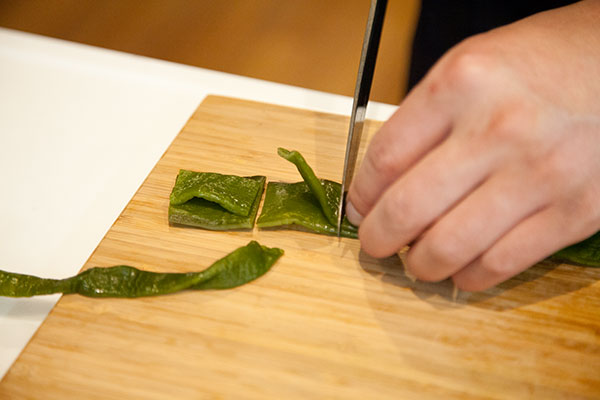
column 492, row 162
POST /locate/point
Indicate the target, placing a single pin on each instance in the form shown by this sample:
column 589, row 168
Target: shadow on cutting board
column 506, row 341
column 545, row 280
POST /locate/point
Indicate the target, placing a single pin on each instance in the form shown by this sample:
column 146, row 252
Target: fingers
column 421, row 196
column 474, row 225
column 416, row 127
column 534, row 239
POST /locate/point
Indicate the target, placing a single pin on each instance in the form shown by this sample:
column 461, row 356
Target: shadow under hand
column 391, row 271
column 543, row 281
column 478, row 340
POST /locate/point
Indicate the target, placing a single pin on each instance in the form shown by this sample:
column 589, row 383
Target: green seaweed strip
column 206, row 214
column 294, row 204
column 328, row 199
column 585, row 253
column 235, row 194
column 237, row 268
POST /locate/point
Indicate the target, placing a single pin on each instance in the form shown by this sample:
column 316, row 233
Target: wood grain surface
column 326, row 322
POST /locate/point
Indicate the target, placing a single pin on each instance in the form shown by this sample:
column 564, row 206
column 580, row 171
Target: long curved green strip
column 585, row 253
column 327, row 198
column 237, row 268
column 205, row 200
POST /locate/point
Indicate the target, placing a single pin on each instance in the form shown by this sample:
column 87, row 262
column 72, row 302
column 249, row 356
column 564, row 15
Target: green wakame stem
column 237, row 268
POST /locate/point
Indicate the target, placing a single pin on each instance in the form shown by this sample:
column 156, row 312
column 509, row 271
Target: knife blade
column 362, row 90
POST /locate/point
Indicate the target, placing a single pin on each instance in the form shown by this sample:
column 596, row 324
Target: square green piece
column 215, row 201
column 289, row 204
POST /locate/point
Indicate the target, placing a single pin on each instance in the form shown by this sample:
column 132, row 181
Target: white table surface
column 80, row 129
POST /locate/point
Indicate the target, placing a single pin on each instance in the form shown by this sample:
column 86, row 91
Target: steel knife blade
column 362, row 90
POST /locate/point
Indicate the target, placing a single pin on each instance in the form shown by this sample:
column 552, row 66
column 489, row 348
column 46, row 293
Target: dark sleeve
column 444, row 23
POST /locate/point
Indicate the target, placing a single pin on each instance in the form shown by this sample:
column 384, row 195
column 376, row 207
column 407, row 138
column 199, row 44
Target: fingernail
column 353, row 216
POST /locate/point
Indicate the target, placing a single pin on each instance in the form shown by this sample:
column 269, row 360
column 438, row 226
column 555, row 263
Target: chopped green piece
column 294, row 203
column 586, row 253
column 326, row 195
column 311, row 204
column 237, row 268
column 214, row 201
column 234, row 193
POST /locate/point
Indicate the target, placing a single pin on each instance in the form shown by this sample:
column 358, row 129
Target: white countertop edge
column 188, row 77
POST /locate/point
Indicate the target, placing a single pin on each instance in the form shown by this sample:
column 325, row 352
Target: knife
column 364, row 80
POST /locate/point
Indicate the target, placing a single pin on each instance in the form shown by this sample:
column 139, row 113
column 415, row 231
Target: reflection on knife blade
column 361, row 96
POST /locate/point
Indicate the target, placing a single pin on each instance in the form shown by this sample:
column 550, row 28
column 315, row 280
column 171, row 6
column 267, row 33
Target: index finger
column 420, row 123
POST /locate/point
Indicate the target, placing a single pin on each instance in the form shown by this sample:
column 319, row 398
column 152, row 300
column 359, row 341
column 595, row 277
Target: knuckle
column 493, row 264
column 559, row 167
column 397, row 212
column 554, row 170
column 512, row 124
column 465, row 67
column 445, row 253
column 581, row 214
column 432, row 259
column 418, row 269
column 381, row 159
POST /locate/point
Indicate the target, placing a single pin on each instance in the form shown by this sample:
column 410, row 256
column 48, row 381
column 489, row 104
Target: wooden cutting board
column 326, row 322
